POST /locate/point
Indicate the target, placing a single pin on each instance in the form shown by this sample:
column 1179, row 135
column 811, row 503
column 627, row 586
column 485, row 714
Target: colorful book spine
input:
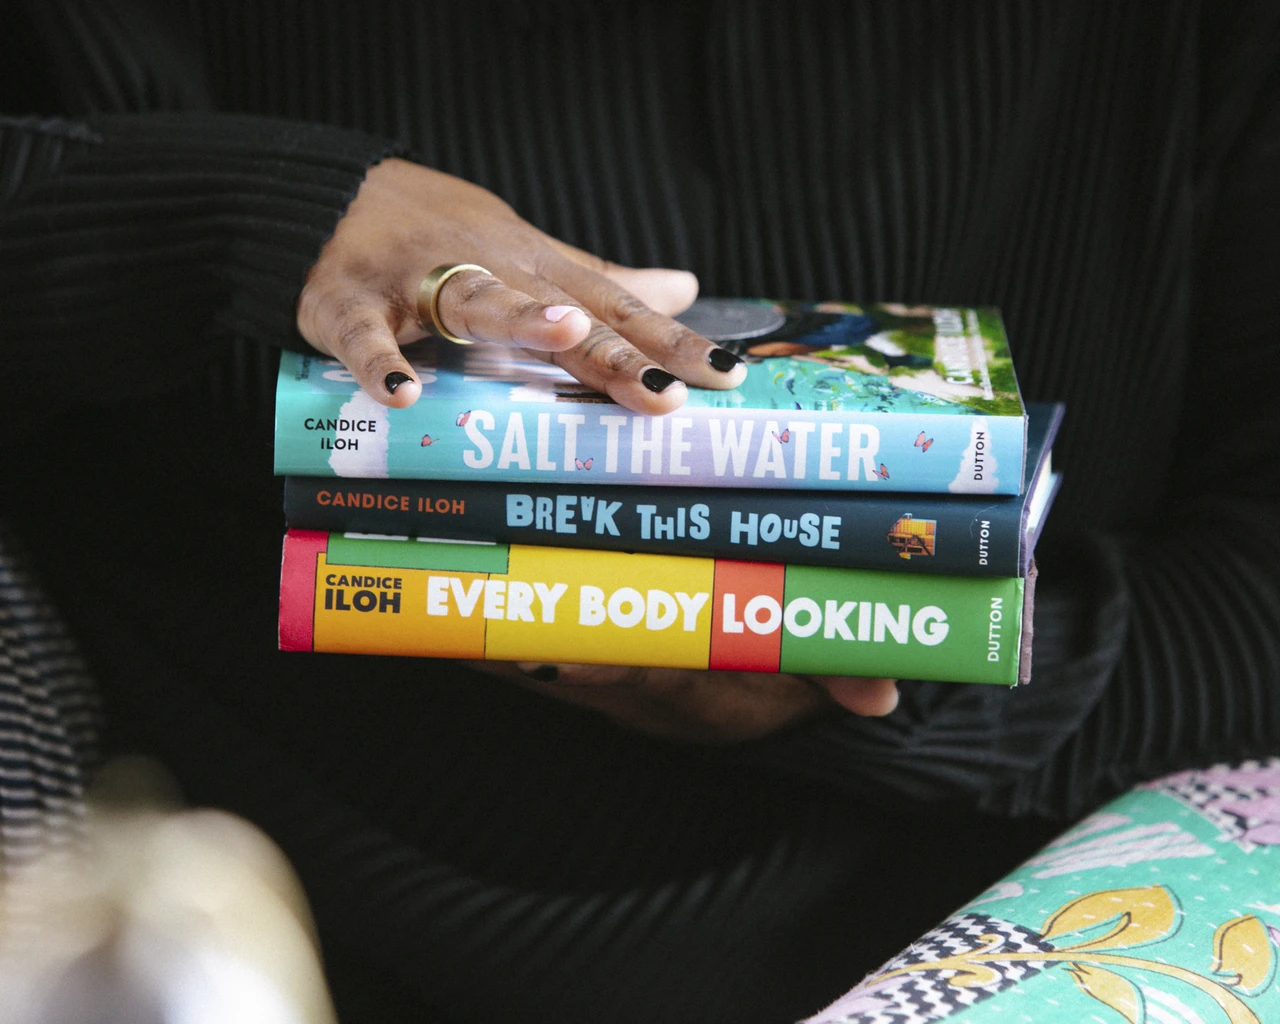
column 961, row 535
column 360, row 595
column 837, row 397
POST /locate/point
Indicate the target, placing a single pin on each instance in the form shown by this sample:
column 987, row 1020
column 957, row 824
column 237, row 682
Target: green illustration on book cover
column 884, row 357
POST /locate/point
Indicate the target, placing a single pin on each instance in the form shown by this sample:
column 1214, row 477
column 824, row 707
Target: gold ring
column 429, row 297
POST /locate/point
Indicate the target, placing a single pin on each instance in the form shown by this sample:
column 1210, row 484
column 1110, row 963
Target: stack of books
column 866, row 503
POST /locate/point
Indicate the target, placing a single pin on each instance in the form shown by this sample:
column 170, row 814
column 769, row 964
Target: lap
column 466, row 845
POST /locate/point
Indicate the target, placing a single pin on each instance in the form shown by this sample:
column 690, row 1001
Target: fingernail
column 658, row 380
column 394, row 379
column 543, row 673
column 723, row 360
column 557, row 313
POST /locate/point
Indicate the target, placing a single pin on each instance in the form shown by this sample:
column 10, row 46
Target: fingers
column 644, row 367
column 480, row 307
column 677, row 704
column 687, row 355
column 472, row 305
column 637, row 304
column 669, row 292
column 870, row 697
column 665, row 291
column 356, row 331
column 613, row 366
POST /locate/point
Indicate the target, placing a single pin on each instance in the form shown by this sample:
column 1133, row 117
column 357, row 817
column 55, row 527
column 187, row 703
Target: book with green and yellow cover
column 345, row 593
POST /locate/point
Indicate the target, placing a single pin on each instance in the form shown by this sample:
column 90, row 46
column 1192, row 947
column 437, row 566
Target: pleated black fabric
column 1107, row 174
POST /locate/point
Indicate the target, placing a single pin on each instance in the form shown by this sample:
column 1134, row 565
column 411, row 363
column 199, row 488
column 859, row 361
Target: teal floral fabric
column 1161, row 908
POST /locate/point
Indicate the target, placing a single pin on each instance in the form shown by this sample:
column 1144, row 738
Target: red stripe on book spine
column 735, row 646
column 298, row 588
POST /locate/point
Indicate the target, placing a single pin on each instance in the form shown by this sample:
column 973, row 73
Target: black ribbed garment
column 1107, row 174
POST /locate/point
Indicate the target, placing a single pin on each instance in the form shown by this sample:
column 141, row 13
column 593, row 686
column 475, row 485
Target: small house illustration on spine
column 912, row 536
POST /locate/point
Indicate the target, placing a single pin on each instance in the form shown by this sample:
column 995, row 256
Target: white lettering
column 827, row 451
column 465, row 600
column 550, row 597
column 808, row 607
column 515, row 447
column 773, row 614
column 675, row 465
column 482, row 457
column 731, row 445
column 591, row 611
column 929, row 626
column 691, row 605
column 519, row 601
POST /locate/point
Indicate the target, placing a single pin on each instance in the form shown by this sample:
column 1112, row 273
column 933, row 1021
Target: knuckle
column 610, row 352
column 463, row 302
column 621, row 357
column 471, row 286
column 673, row 335
column 483, row 301
column 317, row 303
column 543, row 262
column 350, row 308
column 307, row 301
column 357, row 338
column 518, row 308
column 354, row 334
column 625, row 308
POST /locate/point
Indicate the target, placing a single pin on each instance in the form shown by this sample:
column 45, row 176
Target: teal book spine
column 837, row 397
column 912, row 533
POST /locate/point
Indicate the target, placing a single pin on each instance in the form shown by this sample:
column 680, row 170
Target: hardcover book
column 369, row 595
column 837, row 397
column 961, row 535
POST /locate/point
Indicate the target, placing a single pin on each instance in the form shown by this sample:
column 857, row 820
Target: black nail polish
column 544, row 674
column 394, row 379
column 657, row 380
column 723, row 360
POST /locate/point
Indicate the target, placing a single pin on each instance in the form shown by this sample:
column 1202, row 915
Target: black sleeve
column 1157, row 640
column 184, row 226
column 137, row 225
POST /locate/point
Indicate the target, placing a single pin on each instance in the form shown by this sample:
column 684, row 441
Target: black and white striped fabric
column 922, row 997
column 48, row 722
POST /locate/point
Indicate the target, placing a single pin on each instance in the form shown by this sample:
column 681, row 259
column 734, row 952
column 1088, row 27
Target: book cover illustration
column 962, row 534
column 837, row 397
column 362, row 595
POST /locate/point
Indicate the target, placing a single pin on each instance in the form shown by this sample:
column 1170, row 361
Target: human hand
column 700, row 707
column 609, row 326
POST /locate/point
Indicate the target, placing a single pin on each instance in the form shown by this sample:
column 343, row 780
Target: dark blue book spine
column 960, row 535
